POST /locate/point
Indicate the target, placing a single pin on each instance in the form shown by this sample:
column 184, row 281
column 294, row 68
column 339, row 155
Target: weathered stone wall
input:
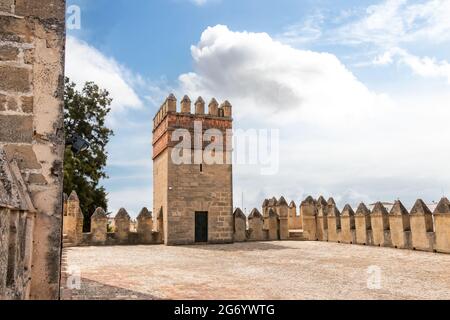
column 32, row 41
column 181, row 190
column 17, row 216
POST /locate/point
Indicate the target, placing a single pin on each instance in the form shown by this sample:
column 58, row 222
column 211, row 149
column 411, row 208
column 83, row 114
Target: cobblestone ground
column 266, row 270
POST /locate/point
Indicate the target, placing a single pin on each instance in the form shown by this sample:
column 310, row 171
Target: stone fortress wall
column 418, row 229
column 32, row 45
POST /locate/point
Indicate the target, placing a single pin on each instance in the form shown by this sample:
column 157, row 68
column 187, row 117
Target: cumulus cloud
column 86, row 63
column 275, row 81
column 337, row 136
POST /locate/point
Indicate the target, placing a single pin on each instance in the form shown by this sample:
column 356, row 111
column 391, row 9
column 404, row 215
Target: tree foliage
column 85, row 114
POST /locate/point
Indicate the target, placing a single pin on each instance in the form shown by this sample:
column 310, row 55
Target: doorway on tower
column 201, row 226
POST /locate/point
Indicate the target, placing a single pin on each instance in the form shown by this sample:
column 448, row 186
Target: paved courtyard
column 265, row 270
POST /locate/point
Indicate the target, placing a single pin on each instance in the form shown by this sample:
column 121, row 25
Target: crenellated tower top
column 169, row 118
column 222, row 112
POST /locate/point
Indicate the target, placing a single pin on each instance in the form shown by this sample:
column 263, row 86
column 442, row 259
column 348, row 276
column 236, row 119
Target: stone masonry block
column 6, row 5
column 27, row 104
column 8, row 53
column 16, row 129
column 15, row 79
column 44, row 9
column 17, row 30
column 23, row 155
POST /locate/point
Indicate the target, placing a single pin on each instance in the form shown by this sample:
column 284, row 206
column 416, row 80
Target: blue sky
column 368, row 81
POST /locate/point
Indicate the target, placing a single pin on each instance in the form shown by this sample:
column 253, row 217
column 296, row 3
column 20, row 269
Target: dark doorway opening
column 201, row 227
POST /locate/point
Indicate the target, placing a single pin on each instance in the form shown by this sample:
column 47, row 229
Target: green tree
column 84, row 115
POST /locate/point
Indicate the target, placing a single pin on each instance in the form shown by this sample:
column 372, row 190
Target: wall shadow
column 93, row 290
column 240, row 246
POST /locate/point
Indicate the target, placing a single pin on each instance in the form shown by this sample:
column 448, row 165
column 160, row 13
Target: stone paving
column 264, row 270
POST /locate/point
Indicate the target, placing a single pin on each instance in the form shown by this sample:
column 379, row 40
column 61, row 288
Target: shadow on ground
column 93, row 290
column 236, row 247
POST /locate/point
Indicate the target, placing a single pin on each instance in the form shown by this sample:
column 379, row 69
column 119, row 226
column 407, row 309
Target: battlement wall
column 122, row 230
column 417, row 229
column 215, row 111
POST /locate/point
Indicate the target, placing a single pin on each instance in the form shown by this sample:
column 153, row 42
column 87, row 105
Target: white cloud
column 86, row 63
column 425, row 67
column 399, row 21
column 275, row 81
column 428, row 67
column 338, row 137
column 385, row 30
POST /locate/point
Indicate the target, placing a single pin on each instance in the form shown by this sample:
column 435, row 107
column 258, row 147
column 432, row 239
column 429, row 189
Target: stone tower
column 192, row 172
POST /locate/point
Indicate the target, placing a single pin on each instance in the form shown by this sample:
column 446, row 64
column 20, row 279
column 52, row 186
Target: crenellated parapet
column 170, row 117
column 417, row 229
column 170, row 107
column 121, row 230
